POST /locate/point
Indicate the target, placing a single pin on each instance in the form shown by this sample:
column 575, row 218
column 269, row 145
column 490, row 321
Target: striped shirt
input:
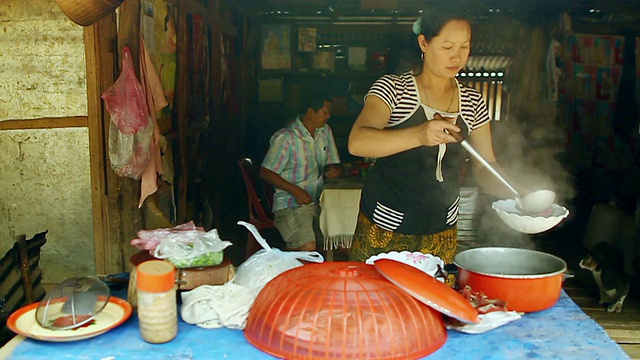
column 400, row 93
column 300, row 159
column 417, row 191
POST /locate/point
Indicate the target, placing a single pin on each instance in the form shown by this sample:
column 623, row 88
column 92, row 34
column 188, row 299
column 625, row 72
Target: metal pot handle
column 568, row 274
column 444, row 272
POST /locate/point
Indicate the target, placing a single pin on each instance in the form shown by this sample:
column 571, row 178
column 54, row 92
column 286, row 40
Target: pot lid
column 427, row 290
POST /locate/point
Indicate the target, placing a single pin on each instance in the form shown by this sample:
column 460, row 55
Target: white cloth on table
column 216, row 306
column 487, row 322
column 339, row 216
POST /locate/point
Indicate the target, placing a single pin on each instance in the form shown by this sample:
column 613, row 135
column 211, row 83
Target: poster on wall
column 324, row 60
column 158, row 29
column 307, row 39
column 357, row 58
column 276, row 47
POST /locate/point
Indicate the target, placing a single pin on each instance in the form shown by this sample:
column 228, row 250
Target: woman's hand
column 433, row 133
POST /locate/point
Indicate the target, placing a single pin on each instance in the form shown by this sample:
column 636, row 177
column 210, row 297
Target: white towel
column 216, row 306
column 487, row 322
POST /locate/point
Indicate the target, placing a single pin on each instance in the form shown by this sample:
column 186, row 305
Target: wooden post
column 25, row 269
column 182, row 113
column 130, row 215
column 116, row 217
column 216, row 188
column 99, row 53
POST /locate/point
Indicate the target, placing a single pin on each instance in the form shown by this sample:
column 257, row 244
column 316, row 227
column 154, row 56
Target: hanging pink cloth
column 155, row 102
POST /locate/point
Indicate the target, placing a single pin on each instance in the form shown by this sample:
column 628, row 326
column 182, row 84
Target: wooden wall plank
column 44, row 123
column 625, row 336
column 633, row 350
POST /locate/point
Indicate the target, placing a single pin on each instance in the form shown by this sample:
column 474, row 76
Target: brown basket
column 87, row 12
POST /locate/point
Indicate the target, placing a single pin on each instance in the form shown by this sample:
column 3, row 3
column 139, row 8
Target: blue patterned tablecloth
column 562, row 332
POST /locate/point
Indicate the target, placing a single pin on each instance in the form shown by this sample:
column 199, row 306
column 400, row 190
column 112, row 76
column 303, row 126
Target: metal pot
column 527, row 280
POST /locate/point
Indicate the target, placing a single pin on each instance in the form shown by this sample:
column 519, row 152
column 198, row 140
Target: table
column 340, row 202
column 561, row 332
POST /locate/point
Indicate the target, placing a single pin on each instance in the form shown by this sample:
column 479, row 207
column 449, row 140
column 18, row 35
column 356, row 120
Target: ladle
column 534, row 203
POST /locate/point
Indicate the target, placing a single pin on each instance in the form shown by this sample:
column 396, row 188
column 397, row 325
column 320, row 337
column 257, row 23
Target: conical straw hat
column 87, row 12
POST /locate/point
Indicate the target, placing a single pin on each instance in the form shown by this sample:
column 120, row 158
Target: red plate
column 428, row 290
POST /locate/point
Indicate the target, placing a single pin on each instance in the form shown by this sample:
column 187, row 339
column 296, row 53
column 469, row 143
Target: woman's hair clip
column 416, row 26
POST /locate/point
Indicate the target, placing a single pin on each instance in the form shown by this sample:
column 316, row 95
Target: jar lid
column 155, row 276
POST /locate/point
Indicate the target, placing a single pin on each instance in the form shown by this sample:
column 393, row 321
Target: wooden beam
column 129, row 32
column 212, row 18
column 25, row 269
column 182, row 111
column 44, row 123
column 379, row 4
column 99, row 57
column 127, row 192
column 215, row 110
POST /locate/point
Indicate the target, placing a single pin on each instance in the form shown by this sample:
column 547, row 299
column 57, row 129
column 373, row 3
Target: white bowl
column 528, row 224
column 427, row 263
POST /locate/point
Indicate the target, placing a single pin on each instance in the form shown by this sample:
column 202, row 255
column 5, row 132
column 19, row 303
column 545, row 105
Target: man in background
column 300, row 155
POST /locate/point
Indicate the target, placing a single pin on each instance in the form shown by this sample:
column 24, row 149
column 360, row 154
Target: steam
column 530, row 152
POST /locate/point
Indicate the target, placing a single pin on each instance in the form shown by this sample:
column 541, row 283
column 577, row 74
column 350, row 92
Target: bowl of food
column 510, row 213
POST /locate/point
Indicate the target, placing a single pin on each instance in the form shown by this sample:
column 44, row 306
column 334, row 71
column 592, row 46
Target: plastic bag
column 267, row 263
column 150, row 239
column 131, row 128
column 184, row 246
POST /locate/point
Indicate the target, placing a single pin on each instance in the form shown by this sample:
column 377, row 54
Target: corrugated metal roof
column 488, row 63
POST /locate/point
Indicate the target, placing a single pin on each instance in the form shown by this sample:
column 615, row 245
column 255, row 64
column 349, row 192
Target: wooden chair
column 20, row 278
column 260, row 214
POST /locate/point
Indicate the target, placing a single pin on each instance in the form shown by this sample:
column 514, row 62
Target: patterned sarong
column 369, row 239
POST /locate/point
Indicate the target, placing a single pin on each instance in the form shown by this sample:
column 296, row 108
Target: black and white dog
column 607, row 268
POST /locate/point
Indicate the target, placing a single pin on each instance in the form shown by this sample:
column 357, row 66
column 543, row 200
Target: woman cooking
column 411, row 196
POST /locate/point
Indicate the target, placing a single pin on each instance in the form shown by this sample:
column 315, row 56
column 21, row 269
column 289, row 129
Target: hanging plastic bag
column 267, row 263
column 131, row 128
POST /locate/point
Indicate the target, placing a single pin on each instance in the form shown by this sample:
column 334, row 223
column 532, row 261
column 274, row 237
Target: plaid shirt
column 300, row 159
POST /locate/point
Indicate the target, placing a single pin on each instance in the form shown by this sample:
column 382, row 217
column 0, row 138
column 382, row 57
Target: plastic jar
column 157, row 307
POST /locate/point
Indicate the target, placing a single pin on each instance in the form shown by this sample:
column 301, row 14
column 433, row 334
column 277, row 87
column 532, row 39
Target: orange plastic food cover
column 341, row 310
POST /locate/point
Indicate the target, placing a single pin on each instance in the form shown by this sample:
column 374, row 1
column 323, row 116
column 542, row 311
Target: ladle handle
column 486, row 164
column 459, row 138
column 482, row 161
